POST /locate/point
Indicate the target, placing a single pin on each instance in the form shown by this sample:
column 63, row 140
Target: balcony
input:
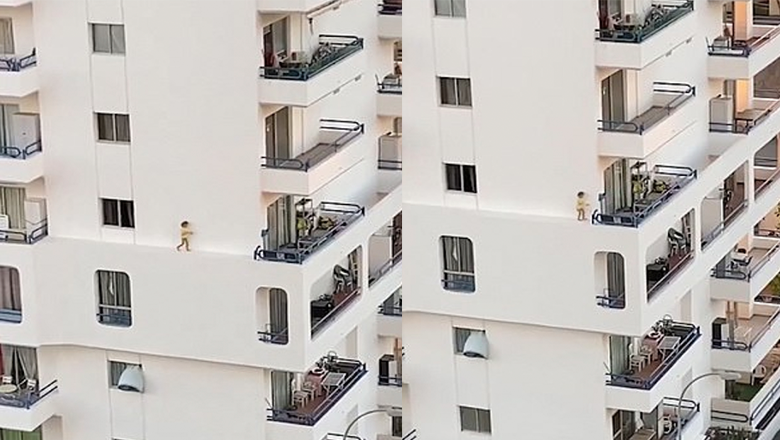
column 21, row 164
column 328, row 307
column 743, row 274
column 637, row 41
column 389, row 96
column 334, row 153
column 323, row 387
column 390, row 157
column 389, row 317
column 665, row 118
column 731, row 433
column 26, row 407
column 662, row 184
column 19, row 76
column 389, row 392
column 747, row 119
column 304, row 78
column 661, row 349
column 754, row 336
column 332, row 218
column 389, row 19
column 749, row 401
column 743, row 59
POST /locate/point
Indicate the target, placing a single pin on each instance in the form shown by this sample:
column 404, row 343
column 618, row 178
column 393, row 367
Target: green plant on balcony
column 732, row 433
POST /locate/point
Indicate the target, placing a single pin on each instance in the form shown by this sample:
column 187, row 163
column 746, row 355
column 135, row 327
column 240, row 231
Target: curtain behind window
column 10, row 291
column 281, row 389
column 12, row 205
column 6, row 37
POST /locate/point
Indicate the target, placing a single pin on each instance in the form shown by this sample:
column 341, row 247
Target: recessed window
column 10, row 296
column 461, row 177
column 458, row 264
column 115, row 370
column 108, row 38
column 450, row 8
column 7, row 38
column 114, row 304
column 119, row 213
column 455, row 91
column 113, row 127
column 474, row 419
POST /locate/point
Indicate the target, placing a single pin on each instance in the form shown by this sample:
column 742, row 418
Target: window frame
column 462, row 278
column 452, row 11
column 115, row 374
column 478, row 414
column 111, row 307
column 460, row 90
column 460, row 171
column 120, row 206
column 113, row 45
column 113, row 121
column 459, row 337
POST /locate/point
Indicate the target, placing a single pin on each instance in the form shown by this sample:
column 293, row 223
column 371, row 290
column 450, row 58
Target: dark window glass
column 127, row 214
column 110, row 212
column 469, row 178
column 453, row 177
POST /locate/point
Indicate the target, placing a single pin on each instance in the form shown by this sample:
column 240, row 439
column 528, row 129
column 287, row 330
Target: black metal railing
column 721, row 227
column 385, row 268
column 21, row 152
column 743, row 125
column 688, row 410
column 344, row 131
column 310, row 418
column 18, row 64
column 280, row 337
column 731, row 433
column 677, row 178
column 679, row 93
column 342, row 214
column 660, row 16
column 115, row 317
column 32, row 234
column 25, row 398
column 394, row 309
column 394, row 88
column 731, row 344
column 331, row 50
column 391, row 381
column 672, row 271
column 390, row 164
column 321, row 323
column 611, row 301
column 459, row 282
column 411, row 435
column 724, row 271
column 8, row 315
column 390, row 7
column 691, row 334
column 730, row 47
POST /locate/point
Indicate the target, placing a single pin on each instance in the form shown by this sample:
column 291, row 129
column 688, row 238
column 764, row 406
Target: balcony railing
column 337, row 134
column 748, row 119
column 391, row 310
column 8, row 315
column 390, row 164
column 392, row 86
column 115, row 316
column 331, row 50
column 32, row 234
column 667, row 97
column 344, row 300
column 646, row 377
column 390, row 381
column 674, row 264
column 342, row 216
column 280, row 337
column 310, row 413
column 668, row 180
column 660, row 16
column 611, row 301
column 21, row 153
column 25, row 398
column 721, row 227
column 732, row 344
column 731, row 433
column 732, row 272
column 688, row 410
column 458, row 281
column 390, row 7
column 18, row 64
column 384, row 269
column 723, row 46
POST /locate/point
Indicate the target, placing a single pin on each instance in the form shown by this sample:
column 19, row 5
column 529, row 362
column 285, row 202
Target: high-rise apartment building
column 268, row 127
column 521, row 320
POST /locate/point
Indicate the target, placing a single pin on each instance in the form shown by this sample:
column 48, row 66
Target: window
column 10, row 295
column 10, row 434
column 6, row 38
column 461, row 177
column 113, row 127
column 458, row 264
column 108, row 38
column 455, row 91
column 460, row 335
column 114, row 306
column 474, row 419
column 450, row 8
column 118, row 213
column 115, row 370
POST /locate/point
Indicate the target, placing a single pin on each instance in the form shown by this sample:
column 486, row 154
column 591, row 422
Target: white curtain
column 6, row 37
column 8, row 359
column 12, row 205
column 29, row 361
column 10, row 296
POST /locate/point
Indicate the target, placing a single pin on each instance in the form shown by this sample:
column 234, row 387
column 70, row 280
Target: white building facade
column 261, row 125
column 524, row 322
